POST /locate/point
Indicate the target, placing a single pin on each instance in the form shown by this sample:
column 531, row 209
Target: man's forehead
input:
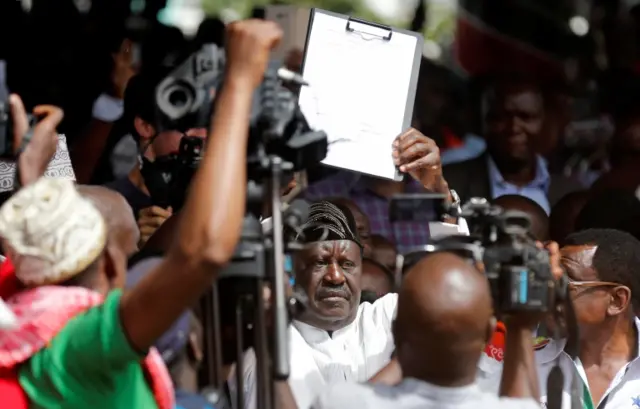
column 500, row 93
column 328, row 245
column 578, row 257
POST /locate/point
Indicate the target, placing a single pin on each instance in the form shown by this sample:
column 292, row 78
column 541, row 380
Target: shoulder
column 136, row 198
column 349, row 396
column 515, row 403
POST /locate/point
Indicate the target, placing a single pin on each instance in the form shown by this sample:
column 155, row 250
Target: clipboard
column 361, row 109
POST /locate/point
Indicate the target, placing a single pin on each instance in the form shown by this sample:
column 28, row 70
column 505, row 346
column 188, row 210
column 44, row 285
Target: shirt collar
column 439, row 393
column 555, row 347
column 313, row 335
column 541, row 180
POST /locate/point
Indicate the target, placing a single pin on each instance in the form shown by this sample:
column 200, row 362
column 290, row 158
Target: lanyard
column 587, row 402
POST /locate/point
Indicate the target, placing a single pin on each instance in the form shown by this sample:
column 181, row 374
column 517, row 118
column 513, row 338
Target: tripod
column 258, row 261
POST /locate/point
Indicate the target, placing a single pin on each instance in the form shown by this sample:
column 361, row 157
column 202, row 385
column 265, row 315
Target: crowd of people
column 101, row 283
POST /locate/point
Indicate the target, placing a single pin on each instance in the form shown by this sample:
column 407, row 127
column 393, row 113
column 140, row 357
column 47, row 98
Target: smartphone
column 417, row 207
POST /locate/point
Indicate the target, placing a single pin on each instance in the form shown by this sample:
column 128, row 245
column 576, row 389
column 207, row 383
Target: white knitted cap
column 49, row 221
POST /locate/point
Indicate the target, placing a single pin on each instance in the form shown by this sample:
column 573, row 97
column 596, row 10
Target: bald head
column 539, row 218
column 123, row 229
column 444, row 320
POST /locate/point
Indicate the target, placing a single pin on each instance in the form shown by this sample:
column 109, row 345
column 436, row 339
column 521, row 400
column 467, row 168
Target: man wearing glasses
column 603, row 266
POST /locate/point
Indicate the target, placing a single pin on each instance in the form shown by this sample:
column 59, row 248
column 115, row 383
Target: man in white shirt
column 338, row 340
column 602, row 267
column 445, row 318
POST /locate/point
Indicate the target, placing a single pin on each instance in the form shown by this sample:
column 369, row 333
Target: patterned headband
column 328, row 222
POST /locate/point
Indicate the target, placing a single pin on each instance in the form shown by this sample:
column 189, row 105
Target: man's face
column 168, row 142
column 591, row 297
column 364, row 229
column 375, row 279
column 330, row 272
column 386, row 255
column 513, row 121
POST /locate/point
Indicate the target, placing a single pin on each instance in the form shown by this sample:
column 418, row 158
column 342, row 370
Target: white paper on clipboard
column 359, row 87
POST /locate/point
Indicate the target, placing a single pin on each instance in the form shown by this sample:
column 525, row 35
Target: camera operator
column 103, row 342
column 154, row 150
column 601, row 265
column 444, row 320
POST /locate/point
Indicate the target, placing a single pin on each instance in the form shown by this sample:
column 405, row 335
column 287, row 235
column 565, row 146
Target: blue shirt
column 535, row 190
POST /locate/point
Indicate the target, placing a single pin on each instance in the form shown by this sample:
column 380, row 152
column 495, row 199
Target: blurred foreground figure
column 444, row 320
column 80, row 341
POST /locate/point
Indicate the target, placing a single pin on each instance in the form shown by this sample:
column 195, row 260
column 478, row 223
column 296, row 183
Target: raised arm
column 215, row 205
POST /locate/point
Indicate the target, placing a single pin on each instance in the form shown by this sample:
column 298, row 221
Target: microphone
column 290, row 76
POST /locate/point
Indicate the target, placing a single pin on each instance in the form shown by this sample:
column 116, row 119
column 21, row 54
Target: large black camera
column 185, row 99
column 519, row 272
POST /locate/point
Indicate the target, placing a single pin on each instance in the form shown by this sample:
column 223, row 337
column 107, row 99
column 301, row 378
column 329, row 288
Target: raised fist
column 249, row 43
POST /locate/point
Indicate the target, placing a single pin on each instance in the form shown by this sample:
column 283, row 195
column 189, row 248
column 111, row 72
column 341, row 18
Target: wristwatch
column 454, row 206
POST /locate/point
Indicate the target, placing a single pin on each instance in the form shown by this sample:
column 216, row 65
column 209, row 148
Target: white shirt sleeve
column 385, row 309
column 249, row 379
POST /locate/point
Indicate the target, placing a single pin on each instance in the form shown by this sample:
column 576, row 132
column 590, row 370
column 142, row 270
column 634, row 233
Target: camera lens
column 178, row 98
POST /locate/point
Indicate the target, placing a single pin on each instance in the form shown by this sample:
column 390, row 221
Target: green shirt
column 89, row 364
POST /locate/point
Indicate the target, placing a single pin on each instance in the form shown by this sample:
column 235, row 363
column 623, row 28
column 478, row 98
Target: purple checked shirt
column 352, row 185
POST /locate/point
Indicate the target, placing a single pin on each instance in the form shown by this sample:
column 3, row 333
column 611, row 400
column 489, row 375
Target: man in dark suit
column 513, row 123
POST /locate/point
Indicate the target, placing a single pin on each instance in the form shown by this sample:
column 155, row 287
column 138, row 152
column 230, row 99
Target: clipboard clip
column 368, row 28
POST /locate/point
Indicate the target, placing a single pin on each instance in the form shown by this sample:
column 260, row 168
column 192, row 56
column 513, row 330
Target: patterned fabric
column 59, row 167
column 406, row 235
column 56, row 227
column 327, row 222
column 42, row 312
column 495, row 347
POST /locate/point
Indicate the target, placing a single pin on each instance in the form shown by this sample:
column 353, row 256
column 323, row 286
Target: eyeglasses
column 592, row 284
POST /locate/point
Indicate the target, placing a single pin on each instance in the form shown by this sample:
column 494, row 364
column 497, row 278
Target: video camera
column 185, row 99
column 519, row 272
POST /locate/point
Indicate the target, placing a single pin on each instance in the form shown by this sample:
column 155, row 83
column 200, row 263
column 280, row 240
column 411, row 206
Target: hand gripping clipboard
column 363, row 78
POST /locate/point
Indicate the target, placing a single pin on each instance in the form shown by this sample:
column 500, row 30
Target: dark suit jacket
column 471, row 179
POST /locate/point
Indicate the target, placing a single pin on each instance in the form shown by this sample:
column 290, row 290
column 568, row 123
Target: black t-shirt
column 136, row 198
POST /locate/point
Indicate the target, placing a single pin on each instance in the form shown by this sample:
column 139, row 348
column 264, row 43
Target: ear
column 144, row 129
column 620, row 300
column 113, row 262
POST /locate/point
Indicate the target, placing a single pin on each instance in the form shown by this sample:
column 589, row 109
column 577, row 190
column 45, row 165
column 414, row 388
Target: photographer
column 155, row 149
column 101, row 336
column 444, row 320
column 601, row 265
